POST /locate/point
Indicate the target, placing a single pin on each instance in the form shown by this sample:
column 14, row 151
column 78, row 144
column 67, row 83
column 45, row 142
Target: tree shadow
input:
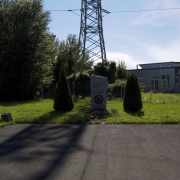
column 139, row 113
column 15, row 103
column 34, row 143
column 67, row 118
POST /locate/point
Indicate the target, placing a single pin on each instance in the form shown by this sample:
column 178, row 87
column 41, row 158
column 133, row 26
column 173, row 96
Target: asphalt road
column 90, row 152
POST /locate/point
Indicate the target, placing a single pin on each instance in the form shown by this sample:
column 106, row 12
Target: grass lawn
column 163, row 108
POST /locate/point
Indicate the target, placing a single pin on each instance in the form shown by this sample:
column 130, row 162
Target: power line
column 72, row 11
column 146, row 10
column 120, row 11
column 65, row 10
column 75, row 13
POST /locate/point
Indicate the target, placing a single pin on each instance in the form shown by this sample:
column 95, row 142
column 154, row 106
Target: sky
column 134, row 37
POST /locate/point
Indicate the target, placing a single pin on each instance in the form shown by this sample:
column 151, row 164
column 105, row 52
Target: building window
column 165, row 79
column 154, row 84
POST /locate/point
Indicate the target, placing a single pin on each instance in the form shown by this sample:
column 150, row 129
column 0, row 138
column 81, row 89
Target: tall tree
column 121, row 70
column 101, row 70
column 132, row 99
column 27, row 49
column 67, row 54
column 112, row 72
column 63, row 99
column 108, row 70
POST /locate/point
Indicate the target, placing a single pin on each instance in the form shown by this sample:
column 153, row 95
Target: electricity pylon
column 91, row 41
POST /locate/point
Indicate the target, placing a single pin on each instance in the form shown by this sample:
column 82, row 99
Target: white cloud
column 118, row 56
column 163, row 54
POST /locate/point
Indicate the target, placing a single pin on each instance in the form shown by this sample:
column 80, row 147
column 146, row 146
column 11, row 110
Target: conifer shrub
column 63, row 98
column 132, row 98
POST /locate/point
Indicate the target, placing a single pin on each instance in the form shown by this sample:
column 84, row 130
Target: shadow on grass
column 80, row 113
column 16, row 103
column 78, row 117
column 42, row 149
column 136, row 113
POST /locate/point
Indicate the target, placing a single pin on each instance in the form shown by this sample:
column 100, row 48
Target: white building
column 163, row 76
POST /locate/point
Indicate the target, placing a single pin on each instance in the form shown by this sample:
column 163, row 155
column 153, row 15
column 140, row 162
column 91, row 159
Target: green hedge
column 114, row 90
column 81, row 85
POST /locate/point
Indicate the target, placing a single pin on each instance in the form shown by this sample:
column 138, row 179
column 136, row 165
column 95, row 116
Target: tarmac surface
column 90, row 152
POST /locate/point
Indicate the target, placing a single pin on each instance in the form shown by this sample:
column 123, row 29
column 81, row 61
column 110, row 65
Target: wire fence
column 160, row 97
column 153, row 91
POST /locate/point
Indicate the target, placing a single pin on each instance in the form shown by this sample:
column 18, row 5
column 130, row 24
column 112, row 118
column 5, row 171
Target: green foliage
column 112, row 72
column 101, row 70
column 27, row 49
column 132, row 99
column 81, row 84
column 115, row 89
column 108, row 70
column 63, row 99
column 121, row 71
column 67, row 54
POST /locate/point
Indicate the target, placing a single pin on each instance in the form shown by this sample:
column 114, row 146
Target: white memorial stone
column 98, row 92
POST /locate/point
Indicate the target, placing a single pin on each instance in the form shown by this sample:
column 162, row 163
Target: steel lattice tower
column 91, row 40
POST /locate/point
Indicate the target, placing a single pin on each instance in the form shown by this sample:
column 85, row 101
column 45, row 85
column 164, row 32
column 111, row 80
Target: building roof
column 160, row 63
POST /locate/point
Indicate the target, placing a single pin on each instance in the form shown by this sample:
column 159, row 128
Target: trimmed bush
column 132, row 99
column 63, row 99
